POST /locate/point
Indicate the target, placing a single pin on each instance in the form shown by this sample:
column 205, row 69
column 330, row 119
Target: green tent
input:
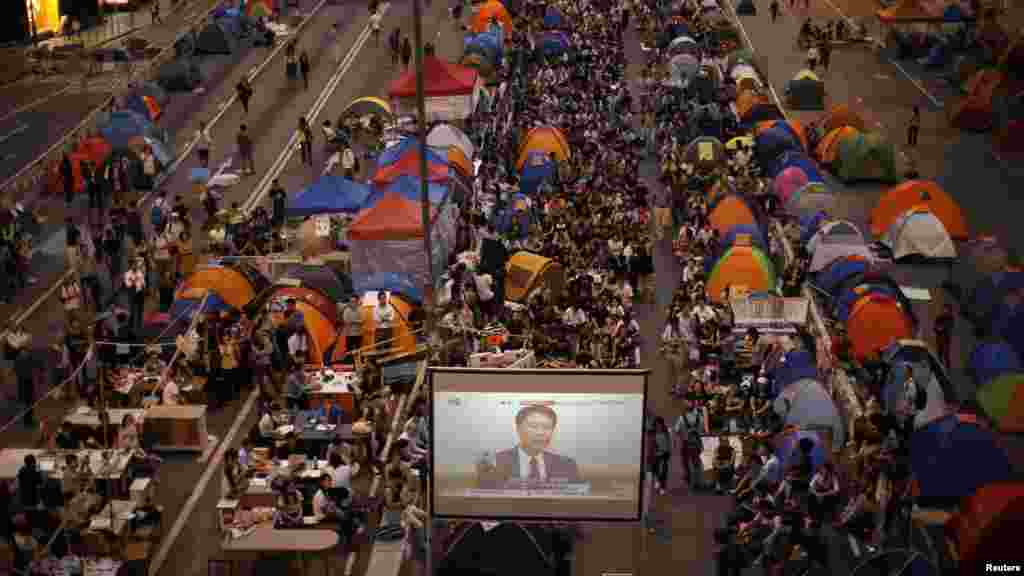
column 866, row 156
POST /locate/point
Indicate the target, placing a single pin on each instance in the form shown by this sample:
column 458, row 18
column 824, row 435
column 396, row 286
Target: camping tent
column 974, row 111
column 793, row 127
column 1002, row 399
column 229, row 283
column 810, row 198
column 828, row 147
column 839, row 116
column 124, row 125
column 866, row 156
column 553, row 43
column 450, row 90
column 918, row 232
column 827, row 252
column 755, row 236
column 145, row 106
column 835, row 232
column 911, row 194
column 544, row 139
column 390, row 282
column 746, row 8
column 799, row 159
column 805, row 92
column 491, row 11
column 526, row 271
column 953, row 457
column 329, row 195
column 536, row 170
column 323, row 279
column 682, row 69
column 787, row 182
column 216, row 39
column 408, row 164
column 729, row 211
column 705, row 153
column 504, row 550
column 772, row 143
column 179, row 76
column 990, row 360
column 742, row 265
column 683, row 45
column 185, row 309
column 315, row 298
column 409, row 187
column 488, row 45
column 445, row 135
column 388, row 237
column 875, row 322
column 408, row 145
column 806, row 403
column 989, row 523
column 458, row 162
column 915, row 383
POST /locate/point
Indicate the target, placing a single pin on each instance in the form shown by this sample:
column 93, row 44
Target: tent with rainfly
column 771, row 143
column 146, row 106
column 730, row 210
column 742, row 265
column 953, row 457
column 492, row 11
column 388, row 237
column 229, row 283
column 1002, row 399
column 409, row 187
column 450, row 90
column 919, row 233
column 408, row 164
column 841, row 115
column 990, row 360
column 488, row 44
column 827, row 149
column 537, row 169
column 807, row 404
column 875, row 322
column 445, row 135
column 544, row 139
column 915, row 383
column 918, row 193
column 124, row 125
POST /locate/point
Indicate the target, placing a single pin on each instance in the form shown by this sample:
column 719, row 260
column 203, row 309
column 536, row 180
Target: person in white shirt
column 324, row 508
column 383, row 317
column 484, row 289
column 266, row 424
column 352, row 318
column 135, row 282
column 171, row 395
column 348, row 162
column 204, row 145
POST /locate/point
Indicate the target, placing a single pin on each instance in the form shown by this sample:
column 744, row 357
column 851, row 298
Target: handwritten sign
column 323, row 227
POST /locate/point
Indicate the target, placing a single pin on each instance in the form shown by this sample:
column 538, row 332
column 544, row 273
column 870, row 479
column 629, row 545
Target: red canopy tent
column 409, row 165
column 449, row 90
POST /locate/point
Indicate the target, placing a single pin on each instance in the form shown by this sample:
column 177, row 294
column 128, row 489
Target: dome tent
column 866, row 156
column 875, row 322
column 953, row 457
column 805, row 92
column 742, row 265
column 827, row 149
column 705, row 153
column 839, row 116
column 830, row 278
column 990, row 360
column 731, row 210
column 913, row 193
column 806, row 403
column 919, row 233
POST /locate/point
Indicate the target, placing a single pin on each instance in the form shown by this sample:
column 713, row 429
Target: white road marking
column 21, row 128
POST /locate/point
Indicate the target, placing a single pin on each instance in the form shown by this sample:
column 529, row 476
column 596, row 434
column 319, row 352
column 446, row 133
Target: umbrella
column 368, row 105
column 787, row 447
column 1002, row 400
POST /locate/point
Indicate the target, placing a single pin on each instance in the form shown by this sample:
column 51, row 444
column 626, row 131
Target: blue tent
column 800, row 160
column 124, row 125
column 388, row 282
column 1011, row 328
column 952, row 457
column 488, row 44
column 788, row 448
column 186, row 308
column 794, row 365
column 409, row 187
column 405, row 146
column 755, row 233
column 554, row 43
column 329, row 195
column 990, row 360
column 537, row 169
column 553, row 18
column 809, row 225
column 772, row 143
column 837, row 272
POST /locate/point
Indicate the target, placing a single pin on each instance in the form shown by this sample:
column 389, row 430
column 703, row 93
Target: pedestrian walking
column 943, row 329
column 375, row 21
column 244, row 92
column 339, row 49
column 826, row 54
column 406, row 52
column 306, row 141
column 278, row 199
column 156, row 12
column 914, row 127
column 394, row 43
column 773, row 9
column 67, row 176
column 204, row 143
column 245, row 150
column 291, row 67
column 304, row 68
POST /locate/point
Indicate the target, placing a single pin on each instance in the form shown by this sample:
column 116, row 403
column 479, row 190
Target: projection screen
column 537, row 444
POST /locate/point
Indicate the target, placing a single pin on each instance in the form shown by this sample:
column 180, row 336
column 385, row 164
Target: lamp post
column 421, row 109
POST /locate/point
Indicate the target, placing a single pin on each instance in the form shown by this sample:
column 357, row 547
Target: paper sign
column 538, row 160
column 323, row 227
column 705, row 151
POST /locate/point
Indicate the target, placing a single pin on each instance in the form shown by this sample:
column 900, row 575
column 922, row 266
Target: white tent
column 444, row 135
column 919, row 232
column 916, row 383
column 836, row 232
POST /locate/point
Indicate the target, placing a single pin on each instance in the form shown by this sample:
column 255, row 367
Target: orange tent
column 840, row 115
column 746, row 101
column 544, row 139
column 876, row 320
column 828, row 147
column 405, row 339
column 742, row 265
column 492, row 10
column 393, row 217
column 457, row 159
column 314, row 298
column 96, row 149
column 409, row 165
column 731, row 211
column 231, row 285
column 911, row 194
column 989, row 523
column 322, row 333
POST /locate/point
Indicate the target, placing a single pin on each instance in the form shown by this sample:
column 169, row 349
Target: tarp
column 763, row 113
column 741, row 267
column 544, row 139
column 990, row 360
column 839, row 116
column 553, row 18
column 124, row 125
column 1002, row 399
column 504, row 550
column 916, row 383
column 329, row 195
column 487, row 45
column 952, row 457
column 536, row 170
column 805, row 94
column 753, row 233
column 179, row 76
column 793, row 366
column 444, row 135
column 810, row 406
column 392, row 217
column 160, row 150
column 914, row 193
column 408, row 187
column 990, row 523
column 919, row 233
column 228, row 283
column 449, row 90
column 730, row 211
column 216, row 39
column 875, row 322
column 391, row 282
column 322, row 332
column 491, row 11
column 866, row 156
column 409, row 165
column 526, row 271
column 187, row 308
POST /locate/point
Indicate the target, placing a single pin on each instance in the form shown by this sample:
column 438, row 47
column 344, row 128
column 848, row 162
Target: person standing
column 339, row 48
column 406, row 52
column 244, row 92
column 24, row 371
column 278, row 198
column 305, row 141
column 67, row 175
column 155, row 12
column 135, row 282
column 914, row 127
column 943, row 329
column 245, row 150
column 352, row 318
column 71, row 298
column 826, row 54
column 375, row 21
column 394, row 42
column 304, row 69
column 773, row 9
column 203, row 144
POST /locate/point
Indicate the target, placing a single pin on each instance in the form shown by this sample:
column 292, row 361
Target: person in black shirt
column 278, row 198
column 728, row 554
column 30, row 481
column 66, row 438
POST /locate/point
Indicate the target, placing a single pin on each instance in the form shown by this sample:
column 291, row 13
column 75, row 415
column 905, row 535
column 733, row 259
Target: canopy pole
column 421, row 109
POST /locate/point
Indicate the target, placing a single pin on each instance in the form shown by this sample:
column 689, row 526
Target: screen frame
column 646, row 373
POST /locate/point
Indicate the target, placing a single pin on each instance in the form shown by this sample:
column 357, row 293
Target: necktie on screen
column 534, row 469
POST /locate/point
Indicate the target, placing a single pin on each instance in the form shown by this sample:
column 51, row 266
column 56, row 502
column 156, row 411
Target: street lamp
column 421, row 109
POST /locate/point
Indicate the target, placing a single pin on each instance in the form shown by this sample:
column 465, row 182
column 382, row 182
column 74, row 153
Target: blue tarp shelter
column 124, row 125
column 388, row 282
column 329, row 195
column 989, row 360
column 952, row 457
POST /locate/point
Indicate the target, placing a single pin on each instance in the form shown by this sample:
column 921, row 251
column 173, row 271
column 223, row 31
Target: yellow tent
column 321, row 331
column 230, row 284
column 544, row 139
column 527, row 271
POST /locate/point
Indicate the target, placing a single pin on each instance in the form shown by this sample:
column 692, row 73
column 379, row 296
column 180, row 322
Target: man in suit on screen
column 530, row 460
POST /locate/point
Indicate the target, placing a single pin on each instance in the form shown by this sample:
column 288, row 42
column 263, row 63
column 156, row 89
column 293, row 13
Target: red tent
column 409, row 165
column 393, row 217
column 440, row 78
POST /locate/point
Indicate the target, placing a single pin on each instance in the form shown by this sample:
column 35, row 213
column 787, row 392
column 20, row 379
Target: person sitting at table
column 66, row 438
column 331, row 414
column 326, row 508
